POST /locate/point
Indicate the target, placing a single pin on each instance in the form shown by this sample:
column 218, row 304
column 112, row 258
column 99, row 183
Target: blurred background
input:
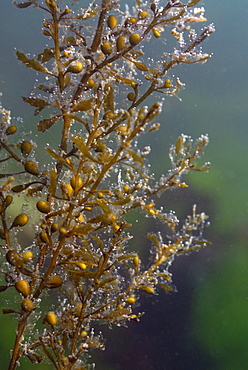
column 204, row 325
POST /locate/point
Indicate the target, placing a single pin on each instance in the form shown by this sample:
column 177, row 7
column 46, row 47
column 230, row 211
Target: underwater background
column 204, row 325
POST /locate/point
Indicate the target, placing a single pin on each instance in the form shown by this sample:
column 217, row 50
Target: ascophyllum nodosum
column 97, row 77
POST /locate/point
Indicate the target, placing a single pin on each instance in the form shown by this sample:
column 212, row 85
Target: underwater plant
column 79, row 270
